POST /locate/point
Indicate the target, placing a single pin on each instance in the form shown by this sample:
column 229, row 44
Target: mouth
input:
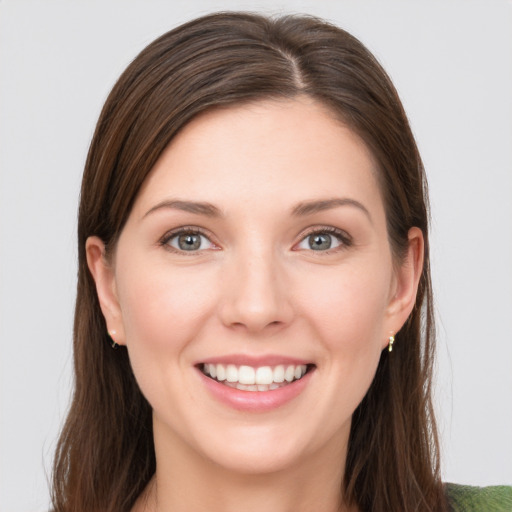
column 255, row 379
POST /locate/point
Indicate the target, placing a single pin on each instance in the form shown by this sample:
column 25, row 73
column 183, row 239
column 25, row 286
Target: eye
column 324, row 240
column 188, row 241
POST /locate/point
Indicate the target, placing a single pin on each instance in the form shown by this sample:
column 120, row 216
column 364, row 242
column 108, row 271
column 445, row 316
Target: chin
column 256, row 462
column 258, row 450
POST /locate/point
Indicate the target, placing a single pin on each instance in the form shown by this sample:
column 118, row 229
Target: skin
column 256, row 287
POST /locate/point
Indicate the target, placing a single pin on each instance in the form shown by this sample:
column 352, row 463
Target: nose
column 256, row 295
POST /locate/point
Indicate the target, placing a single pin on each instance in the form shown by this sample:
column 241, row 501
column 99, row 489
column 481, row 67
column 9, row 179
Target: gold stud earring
column 391, row 341
column 113, row 343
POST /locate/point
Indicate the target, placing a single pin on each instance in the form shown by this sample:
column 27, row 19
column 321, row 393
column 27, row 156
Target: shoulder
column 465, row 498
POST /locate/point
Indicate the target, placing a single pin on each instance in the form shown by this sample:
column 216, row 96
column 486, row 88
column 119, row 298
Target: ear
column 103, row 274
column 405, row 288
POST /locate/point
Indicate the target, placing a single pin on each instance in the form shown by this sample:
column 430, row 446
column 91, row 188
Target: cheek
column 162, row 311
column 349, row 321
column 157, row 298
column 349, row 308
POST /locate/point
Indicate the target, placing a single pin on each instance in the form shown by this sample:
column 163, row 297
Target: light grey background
column 452, row 64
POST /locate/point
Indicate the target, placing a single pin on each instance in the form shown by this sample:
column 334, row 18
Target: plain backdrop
column 452, row 64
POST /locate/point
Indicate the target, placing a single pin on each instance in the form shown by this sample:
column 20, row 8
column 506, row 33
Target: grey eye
column 189, row 242
column 320, row 241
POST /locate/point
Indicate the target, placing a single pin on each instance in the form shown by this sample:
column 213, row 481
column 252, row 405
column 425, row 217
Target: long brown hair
column 105, row 455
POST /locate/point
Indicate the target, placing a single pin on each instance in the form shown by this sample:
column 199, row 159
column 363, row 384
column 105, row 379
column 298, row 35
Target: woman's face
column 256, row 251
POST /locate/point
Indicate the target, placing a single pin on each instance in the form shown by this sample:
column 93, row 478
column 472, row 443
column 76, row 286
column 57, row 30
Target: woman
column 253, row 242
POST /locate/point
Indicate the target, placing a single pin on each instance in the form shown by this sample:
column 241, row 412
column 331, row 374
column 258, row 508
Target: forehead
column 269, row 151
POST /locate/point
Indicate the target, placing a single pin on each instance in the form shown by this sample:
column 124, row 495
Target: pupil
column 189, row 242
column 320, row 242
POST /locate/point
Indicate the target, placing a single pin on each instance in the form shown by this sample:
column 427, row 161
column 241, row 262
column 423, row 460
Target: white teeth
column 264, row 375
column 231, row 373
column 221, row 372
column 246, row 375
column 247, row 378
column 289, row 374
column 278, row 373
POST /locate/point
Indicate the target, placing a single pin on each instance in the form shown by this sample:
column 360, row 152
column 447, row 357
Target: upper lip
column 254, row 361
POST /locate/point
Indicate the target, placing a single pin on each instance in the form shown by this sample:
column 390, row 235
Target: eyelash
column 185, row 230
column 344, row 238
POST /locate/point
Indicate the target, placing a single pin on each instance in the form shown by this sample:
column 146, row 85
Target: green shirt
column 465, row 498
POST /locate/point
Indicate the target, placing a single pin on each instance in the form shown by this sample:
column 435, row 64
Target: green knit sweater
column 464, row 498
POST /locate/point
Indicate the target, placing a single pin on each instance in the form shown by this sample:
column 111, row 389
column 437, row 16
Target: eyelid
column 344, row 238
column 194, row 230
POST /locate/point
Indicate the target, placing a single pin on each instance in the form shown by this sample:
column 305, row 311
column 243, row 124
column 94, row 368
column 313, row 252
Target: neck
column 185, row 480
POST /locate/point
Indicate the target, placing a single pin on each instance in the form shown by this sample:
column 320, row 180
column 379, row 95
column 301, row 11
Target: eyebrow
column 300, row 210
column 316, row 206
column 199, row 208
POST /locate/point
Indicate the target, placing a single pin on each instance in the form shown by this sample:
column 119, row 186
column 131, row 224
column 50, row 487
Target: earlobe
column 407, row 280
column 103, row 275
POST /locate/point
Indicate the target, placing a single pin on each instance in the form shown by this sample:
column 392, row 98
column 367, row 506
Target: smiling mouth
column 248, row 378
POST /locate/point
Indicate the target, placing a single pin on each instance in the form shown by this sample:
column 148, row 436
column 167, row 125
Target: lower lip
column 255, row 401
